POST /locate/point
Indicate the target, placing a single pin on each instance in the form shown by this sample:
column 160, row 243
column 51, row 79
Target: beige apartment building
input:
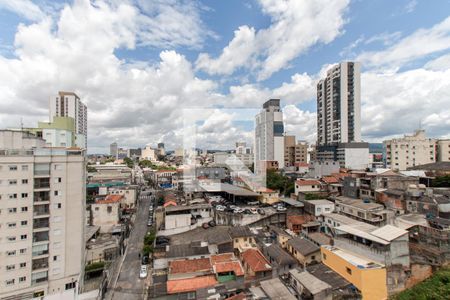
column 42, row 207
column 294, row 152
column 443, row 150
column 410, row 151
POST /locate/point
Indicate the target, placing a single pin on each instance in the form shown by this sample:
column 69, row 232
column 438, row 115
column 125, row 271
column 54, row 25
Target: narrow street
column 129, row 285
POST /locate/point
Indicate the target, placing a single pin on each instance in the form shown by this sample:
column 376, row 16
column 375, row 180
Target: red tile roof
column 255, row 260
column 110, row 199
column 240, row 296
column 297, row 220
column 169, row 203
column 189, row 265
column 307, row 182
column 222, row 257
column 330, row 179
column 228, row 266
column 191, row 284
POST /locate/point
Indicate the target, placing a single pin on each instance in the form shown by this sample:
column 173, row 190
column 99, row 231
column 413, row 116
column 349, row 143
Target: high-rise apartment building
column 409, row 151
column 114, row 150
column 269, row 130
column 339, row 117
column 301, row 152
column 289, row 150
column 68, row 104
column 294, row 152
column 339, row 105
column 42, row 206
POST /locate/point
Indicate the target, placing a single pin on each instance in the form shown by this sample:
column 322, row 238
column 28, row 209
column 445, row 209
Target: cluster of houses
column 345, row 234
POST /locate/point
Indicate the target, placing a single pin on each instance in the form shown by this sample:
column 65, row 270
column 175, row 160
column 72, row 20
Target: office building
column 269, row 129
column 114, row 150
column 409, row 151
column 42, row 209
column 68, row 104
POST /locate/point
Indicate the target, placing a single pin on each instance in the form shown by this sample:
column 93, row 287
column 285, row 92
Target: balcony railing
column 41, row 184
column 41, row 263
column 40, row 237
column 41, row 223
column 41, row 172
column 40, row 252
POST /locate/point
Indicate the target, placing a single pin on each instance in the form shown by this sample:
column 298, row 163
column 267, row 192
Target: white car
column 233, row 206
column 281, row 208
column 220, row 208
column 238, row 210
column 143, row 272
column 253, row 210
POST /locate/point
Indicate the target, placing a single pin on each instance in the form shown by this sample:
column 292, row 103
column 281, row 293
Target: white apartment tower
column 68, row 104
column 42, row 205
column 269, row 130
column 339, row 105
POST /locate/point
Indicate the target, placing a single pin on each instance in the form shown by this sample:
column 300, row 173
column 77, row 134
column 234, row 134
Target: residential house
column 387, row 245
column 362, row 210
column 281, row 236
column 366, row 275
column 256, row 266
column 279, row 259
column 341, row 288
column 186, row 276
column 295, row 222
column 243, row 239
column 106, row 213
column 306, row 252
column 129, row 194
column 307, row 186
column 308, row 286
column 275, row 289
column 318, row 207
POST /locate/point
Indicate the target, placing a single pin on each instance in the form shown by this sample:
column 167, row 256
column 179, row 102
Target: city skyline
column 137, row 76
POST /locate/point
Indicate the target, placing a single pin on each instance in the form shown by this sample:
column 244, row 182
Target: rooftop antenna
column 21, row 124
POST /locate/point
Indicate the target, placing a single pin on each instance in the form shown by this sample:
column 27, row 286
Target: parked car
column 212, row 223
column 220, row 208
column 150, row 222
column 261, row 211
column 145, row 260
column 150, row 208
column 238, row 210
column 247, row 211
column 143, row 271
column 205, row 225
column 281, row 208
column 253, row 210
column 162, row 238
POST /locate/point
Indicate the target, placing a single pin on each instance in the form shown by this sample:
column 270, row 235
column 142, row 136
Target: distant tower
column 114, row 150
column 269, row 130
column 68, row 104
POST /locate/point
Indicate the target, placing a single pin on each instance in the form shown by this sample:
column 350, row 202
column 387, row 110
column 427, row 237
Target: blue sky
column 138, row 63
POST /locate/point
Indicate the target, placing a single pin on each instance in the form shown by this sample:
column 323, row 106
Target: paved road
column 129, row 285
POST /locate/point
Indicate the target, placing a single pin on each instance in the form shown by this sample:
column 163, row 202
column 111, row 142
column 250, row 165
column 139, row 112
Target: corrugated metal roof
column 389, row 232
column 310, row 282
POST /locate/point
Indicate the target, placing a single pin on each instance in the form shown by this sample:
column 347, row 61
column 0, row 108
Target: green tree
column 310, row 196
column 129, row 162
column 441, row 181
